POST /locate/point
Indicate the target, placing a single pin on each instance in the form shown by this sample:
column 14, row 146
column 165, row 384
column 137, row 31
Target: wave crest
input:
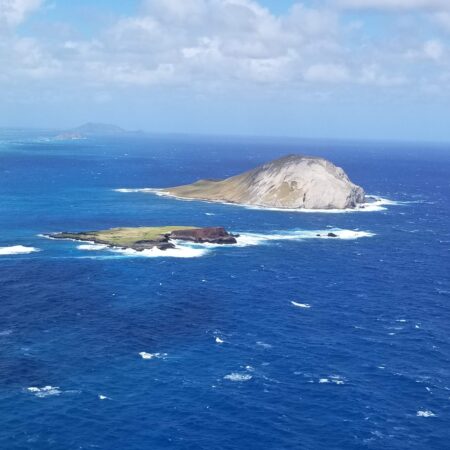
column 17, row 250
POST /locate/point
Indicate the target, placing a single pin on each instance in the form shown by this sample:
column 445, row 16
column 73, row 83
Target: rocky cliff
column 291, row 182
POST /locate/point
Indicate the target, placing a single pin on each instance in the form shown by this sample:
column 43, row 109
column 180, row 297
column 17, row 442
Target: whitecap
column 17, row 250
column 235, row 376
column 425, row 414
column 301, row 305
column 92, row 247
column 45, row 391
column 263, row 344
column 335, row 379
column 219, row 340
column 103, row 397
column 145, row 355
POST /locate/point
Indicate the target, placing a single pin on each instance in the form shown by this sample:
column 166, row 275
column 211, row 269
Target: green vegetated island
column 291, row 182
column 147, row 238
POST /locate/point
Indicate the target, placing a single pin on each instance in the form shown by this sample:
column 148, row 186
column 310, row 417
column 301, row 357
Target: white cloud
column 394, row 5
column 328, row 73
column 222, row 45
column 14, row 12
column 442, row 19
column 434, row 49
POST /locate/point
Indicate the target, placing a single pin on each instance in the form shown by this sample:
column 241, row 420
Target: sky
column 347, row 69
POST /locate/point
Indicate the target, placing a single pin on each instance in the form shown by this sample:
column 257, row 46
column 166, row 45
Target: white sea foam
column 184, row 250
column 373, row 204
column 425, row 414
column 246, row 239
column 92, row 247
column 263, row 344
column 301, row 305
column 335, row 379
column 103, row 397
column 128, row 191
column 145, row 355
column 180, row 251
column 196, row 250
column 219, row 341
column 46, row 391
column 17, row 250
column 235, row 376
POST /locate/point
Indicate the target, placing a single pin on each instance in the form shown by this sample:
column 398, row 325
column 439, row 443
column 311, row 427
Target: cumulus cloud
column 220, row 45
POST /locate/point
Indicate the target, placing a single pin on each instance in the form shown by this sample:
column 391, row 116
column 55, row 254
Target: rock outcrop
column 291, row 182
column 213, row 235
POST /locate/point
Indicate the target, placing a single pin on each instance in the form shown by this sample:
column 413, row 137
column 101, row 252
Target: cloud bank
column 232, row 47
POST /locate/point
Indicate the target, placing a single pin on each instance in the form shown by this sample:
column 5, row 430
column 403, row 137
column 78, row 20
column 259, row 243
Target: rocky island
column 147, row 238
column 291, row 182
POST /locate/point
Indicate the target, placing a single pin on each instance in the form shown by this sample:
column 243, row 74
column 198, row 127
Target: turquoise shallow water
column 231, row 362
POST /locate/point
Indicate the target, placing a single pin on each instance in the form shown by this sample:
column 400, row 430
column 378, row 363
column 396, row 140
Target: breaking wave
column 246, row 239
column 301, row 305
column 374, row 203
column 92, row 247
column 191, row 250
column 425, row 414
column 238, row 377
column 17, row 250
column 145, row 355
column 180, row 251
column 46, row 391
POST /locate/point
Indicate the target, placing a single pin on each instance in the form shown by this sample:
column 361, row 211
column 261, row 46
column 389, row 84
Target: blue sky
column 372, row 69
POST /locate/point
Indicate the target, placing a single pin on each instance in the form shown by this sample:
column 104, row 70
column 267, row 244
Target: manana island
column 291, row 182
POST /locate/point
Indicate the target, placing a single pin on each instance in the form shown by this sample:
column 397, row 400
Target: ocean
column 285, row 341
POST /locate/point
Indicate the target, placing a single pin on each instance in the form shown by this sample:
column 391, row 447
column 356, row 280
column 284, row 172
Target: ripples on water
column 286, row 341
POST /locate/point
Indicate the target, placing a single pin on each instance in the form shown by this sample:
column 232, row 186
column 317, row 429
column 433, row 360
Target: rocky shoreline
column 145, row 238
column 291, row 182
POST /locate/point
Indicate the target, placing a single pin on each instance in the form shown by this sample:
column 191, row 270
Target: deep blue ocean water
column 366, row 366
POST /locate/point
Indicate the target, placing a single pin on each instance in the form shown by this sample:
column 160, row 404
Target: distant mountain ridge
column 90, row 129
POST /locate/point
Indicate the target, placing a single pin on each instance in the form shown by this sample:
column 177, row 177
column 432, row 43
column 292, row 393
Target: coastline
column 377, row 205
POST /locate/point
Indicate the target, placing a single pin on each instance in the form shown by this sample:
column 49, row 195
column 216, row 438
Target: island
column 291, row 182
column 147, row 238
column 90, row 129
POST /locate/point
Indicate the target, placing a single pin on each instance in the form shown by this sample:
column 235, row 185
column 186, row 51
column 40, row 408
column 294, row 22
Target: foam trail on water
column 246, row 239
column 17, row 250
